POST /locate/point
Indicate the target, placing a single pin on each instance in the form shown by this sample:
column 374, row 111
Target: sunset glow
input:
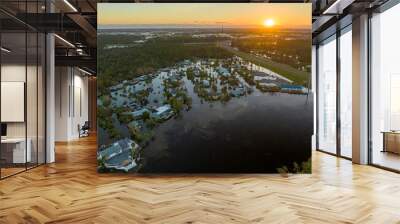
column 204, row 14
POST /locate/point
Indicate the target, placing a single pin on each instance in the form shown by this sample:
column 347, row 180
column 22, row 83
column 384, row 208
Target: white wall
column 80, row 112
column 71, row 94
column 62, row 82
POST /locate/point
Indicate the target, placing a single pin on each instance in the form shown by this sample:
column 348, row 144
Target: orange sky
column 231, row 14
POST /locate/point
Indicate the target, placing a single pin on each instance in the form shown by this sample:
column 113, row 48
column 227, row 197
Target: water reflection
column 208, row 116
column 257, row 133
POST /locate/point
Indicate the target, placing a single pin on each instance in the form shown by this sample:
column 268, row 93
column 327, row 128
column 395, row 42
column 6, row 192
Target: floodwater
column 257, row 133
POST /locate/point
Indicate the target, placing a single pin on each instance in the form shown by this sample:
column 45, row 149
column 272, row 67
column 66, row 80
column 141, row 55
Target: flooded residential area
column 203, row 114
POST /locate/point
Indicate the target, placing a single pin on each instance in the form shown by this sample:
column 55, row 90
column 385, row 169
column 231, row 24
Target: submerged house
column 293, row 88
column 223, row 71
column 119, row 155
column 163, row 112
column 263, row 76
column 238, row 91
column 206, row 83
column 137, row 114
column 268, row 85
column 186, row 62
column 174, row 77
column 140, row 86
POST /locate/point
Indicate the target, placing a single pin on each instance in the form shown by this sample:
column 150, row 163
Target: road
column 299, row 77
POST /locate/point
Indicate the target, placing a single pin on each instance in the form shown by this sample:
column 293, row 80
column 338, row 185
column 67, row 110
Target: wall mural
column 204, row 88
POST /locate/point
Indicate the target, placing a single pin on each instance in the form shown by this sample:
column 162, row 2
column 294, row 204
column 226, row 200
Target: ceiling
column 73, row 21
column 332, row 15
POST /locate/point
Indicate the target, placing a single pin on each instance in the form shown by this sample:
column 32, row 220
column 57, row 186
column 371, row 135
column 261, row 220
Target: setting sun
column 269, row 22
column 268, row 16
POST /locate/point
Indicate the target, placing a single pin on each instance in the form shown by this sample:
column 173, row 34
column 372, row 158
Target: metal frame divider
column 37, row 91
column 369, row 78
column 317, row 97
column 26, row 86
column 338, row 76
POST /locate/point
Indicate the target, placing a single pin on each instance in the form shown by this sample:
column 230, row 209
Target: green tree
column 146, row 116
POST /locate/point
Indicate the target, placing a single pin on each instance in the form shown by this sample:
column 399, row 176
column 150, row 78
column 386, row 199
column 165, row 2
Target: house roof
column 287, row 86
column 139, row 112
column 117, row 147
column 163, row 109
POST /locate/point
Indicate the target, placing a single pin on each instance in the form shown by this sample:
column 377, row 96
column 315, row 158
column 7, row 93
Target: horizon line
column 166, row 26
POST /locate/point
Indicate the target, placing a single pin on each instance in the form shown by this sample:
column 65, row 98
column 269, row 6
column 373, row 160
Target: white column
column 360, row 90
column 50, row 98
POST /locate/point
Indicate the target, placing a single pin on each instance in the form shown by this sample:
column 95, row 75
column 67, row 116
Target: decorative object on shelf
column 391, row 141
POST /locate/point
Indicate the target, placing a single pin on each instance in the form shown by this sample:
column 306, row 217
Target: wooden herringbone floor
column 70, row 191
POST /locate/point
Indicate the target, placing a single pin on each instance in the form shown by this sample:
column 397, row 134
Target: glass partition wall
column 22, row 98
column 334, row 118
column 334, row 83
column 345, row 91
column 327, row 95
column 385, row 89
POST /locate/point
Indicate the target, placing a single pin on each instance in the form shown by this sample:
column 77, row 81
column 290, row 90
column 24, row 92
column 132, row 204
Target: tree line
column 119, row 64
